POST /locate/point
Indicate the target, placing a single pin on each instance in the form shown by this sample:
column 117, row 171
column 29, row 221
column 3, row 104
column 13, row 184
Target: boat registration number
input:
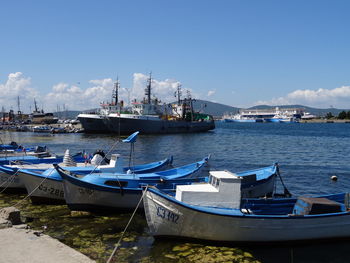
column 167, row 215
column 9, row 180
column 51, row 190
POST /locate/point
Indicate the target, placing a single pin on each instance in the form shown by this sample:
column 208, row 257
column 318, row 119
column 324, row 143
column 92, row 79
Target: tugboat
column 148, row 116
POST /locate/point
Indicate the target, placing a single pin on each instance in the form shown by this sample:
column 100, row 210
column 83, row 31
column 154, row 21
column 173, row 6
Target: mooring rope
column 286, row 191
column 9, row 180
column 19, row 202
column 127, row 225
column 51, row 173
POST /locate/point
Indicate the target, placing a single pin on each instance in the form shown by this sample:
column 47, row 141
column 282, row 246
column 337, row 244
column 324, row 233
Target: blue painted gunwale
column 36, row 160
column 226, row 212
column 262, row 173
column 52, row 174
column 8, row 170
column 138, row 184
column 149, row 167
column 174, row 173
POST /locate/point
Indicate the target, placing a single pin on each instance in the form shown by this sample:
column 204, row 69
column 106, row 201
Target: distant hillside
column 215, row 109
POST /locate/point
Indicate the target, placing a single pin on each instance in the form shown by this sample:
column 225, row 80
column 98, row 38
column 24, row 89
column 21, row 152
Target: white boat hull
column 84, row 199
column 43, row 190
column 168, row 218
column 11, row 181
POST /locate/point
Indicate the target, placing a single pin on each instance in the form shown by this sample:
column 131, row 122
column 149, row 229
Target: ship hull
column 92, row 123
column 122, row 125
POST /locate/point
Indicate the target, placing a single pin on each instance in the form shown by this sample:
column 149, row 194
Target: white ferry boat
column 285, row 115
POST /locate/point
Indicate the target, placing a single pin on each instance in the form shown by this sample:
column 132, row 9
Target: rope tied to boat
column 9, row 180
column 286, row 191
column 29, row 194
column 98, row 164
column 127, row 225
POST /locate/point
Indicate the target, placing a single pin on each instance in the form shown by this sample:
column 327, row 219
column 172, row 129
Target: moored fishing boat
column 9, row 174
column 28, row 159
column 123, row 191
column 13, row 149
column 148, row 116
column 47, row 186
column 11, row 146
column 215, row 212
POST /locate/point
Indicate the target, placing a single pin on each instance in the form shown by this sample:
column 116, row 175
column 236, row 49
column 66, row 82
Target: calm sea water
column 308, row 155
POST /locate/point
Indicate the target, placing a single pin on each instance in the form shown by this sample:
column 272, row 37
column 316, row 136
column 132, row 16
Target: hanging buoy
column 334, row 178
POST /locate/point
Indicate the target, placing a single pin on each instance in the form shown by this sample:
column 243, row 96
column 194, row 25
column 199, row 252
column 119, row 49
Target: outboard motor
column 40, row 149
column 99, row 158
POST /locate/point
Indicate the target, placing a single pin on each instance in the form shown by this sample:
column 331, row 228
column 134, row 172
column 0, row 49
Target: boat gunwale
column 221, row 211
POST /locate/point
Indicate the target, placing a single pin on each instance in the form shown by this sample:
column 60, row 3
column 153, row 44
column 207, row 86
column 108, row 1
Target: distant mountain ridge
column 218, row 109
column 213, row 108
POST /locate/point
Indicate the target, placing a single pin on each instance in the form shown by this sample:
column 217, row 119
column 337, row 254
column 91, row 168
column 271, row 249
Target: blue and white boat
column 10, row 174
column 15, row 150
column 282, row 118
column 10, row 146
column 29, row 159
column 216, row 212
column 275, row 119
column 123, row 191
column 240, row 118
column 10, row 168
column 47, row 186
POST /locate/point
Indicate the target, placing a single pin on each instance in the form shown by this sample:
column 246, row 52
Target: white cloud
column 211, row 93
column 17, row 85
column 162, row 89
column 101, row 91
column 322, row 98
column 74, row 97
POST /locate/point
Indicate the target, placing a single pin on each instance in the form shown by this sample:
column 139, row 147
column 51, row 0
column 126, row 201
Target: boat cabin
column 222, row 190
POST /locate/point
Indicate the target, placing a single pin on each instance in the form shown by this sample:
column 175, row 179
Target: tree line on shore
column 343, row 115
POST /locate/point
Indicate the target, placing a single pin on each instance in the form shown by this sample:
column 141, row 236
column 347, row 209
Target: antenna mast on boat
column 19, row 106
column 148, row 88
column 178, row 93
column 3, row 113
column 190, row 101
column 36, row 107
column 115, row 91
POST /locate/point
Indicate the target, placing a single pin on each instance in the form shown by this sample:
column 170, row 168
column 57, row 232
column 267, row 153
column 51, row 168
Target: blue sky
column 239, row 53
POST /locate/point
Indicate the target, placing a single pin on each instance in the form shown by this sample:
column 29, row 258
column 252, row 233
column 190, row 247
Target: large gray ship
column 147, row 116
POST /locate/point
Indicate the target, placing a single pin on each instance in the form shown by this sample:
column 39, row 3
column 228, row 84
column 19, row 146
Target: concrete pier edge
column 18, row 243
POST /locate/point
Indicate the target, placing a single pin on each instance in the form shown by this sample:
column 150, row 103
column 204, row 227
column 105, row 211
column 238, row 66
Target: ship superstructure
column 149, row 116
